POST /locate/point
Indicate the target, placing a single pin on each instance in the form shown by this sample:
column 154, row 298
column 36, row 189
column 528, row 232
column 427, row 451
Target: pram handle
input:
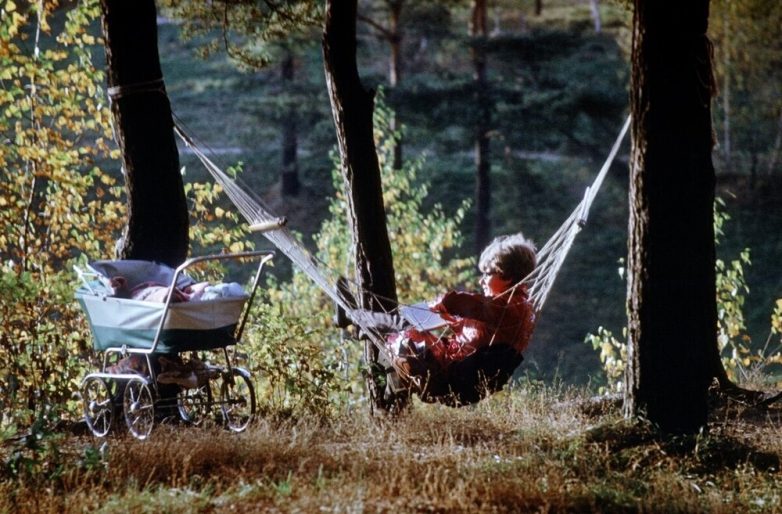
column 264, row 255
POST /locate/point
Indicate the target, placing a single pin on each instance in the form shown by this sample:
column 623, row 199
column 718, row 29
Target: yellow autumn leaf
column 219, row 212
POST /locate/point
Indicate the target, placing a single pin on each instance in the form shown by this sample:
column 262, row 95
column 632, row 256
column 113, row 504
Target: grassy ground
column 533, row 450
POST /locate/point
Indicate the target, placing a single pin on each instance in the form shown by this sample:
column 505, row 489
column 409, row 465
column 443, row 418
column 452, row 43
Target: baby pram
column 146, row 330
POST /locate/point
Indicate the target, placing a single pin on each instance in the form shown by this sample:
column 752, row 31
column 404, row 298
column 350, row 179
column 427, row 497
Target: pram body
column 124, row 327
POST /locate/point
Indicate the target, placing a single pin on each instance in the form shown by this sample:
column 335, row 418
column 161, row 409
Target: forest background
column 558, row 90
column 558, row 94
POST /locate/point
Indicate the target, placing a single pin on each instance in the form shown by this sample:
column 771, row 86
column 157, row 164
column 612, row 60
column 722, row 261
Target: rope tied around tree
column 149, row 86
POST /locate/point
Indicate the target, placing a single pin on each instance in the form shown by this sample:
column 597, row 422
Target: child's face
column 493, row 284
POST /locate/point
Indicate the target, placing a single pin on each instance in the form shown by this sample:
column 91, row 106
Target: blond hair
column 512, row 256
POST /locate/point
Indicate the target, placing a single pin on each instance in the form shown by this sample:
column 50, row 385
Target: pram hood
column 138, row 272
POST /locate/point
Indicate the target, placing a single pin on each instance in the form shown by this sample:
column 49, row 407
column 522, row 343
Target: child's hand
column 446, row 304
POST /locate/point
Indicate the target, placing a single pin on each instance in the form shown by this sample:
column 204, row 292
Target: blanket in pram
column 202, row 324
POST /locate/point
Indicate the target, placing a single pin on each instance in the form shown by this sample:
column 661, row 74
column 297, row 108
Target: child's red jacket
column 476, row 321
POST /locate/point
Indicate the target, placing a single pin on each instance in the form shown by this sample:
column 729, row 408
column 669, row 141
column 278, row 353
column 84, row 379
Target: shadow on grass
column 640, row 445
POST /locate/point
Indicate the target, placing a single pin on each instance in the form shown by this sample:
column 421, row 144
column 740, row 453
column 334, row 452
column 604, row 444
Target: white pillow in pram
column 223, row 290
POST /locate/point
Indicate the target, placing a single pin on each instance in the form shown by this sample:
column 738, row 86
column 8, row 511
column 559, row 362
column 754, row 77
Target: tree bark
column 157, row 228
column 352, row 107
column 289, row 176
column 672, row 328
column 478, row 32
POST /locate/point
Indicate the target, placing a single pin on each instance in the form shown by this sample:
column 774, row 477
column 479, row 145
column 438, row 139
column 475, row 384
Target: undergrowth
column 532, row 449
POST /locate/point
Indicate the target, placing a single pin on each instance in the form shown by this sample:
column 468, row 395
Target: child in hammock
column 487, row 332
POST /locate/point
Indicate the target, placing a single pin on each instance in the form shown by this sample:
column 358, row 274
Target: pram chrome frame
column 139, row 392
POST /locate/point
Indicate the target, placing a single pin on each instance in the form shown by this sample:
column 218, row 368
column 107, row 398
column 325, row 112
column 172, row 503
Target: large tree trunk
column 352, row 107
column 478, row 33
column 157, row 228
column 672, row 329
column 289, row 176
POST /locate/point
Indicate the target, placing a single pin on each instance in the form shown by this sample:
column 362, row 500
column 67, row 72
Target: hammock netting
column 539, row 283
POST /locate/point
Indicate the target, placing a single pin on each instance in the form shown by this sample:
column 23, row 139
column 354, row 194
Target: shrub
column 58, row 206
column 55, row 202
column 740, row 359
column 423, row 245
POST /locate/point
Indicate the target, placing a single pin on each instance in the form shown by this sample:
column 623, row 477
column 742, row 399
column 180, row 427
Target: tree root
column 749, row 397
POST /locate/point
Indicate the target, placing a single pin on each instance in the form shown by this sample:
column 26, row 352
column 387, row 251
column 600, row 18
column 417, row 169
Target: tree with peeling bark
column 352, row 106
column 157, row 227
column 672, row 331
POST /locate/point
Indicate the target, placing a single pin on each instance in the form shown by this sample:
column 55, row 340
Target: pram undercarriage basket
column 150, row 335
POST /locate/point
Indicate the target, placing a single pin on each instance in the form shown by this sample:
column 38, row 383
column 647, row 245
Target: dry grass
column 528, row 451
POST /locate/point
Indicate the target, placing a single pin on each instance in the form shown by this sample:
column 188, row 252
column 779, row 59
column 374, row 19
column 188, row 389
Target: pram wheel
column 237, row 399
column 195, row 405
column 98, row 405
column 138, row 405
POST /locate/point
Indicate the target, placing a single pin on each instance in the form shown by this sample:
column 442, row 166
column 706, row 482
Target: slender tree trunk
column 352, row 107
column 157, row 226
column 290, row 165
column 395, row 68
column 594, row 8
column 395, row 41
column 672, row 329
column 482, row 143
column 772, row 161
column 727, row 150
column 538, row 7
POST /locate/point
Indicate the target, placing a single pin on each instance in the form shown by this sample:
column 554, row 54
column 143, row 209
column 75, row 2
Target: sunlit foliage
column 742, row 360
column 747, row 59
column 246, row 31
column 55, row 201
column 59, row 206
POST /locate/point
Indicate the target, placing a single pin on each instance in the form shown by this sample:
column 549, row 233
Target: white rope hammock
column 261, row 219
column 553, row 253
